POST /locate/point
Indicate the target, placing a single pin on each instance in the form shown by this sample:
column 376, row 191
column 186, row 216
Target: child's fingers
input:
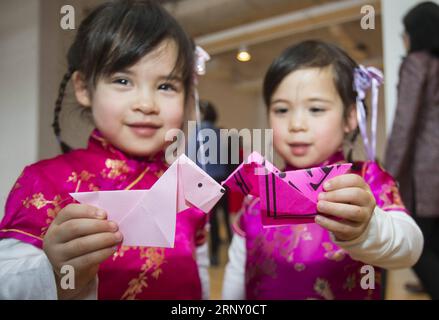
column 343, row 230
column 77, row 228
column 92, row 259
column 85, row 245
column 353, row 195
column 345, row 181
column 342, row 210
column 77, row 211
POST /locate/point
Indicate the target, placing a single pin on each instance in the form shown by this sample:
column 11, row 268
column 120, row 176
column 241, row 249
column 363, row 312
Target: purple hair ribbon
column 366, row 78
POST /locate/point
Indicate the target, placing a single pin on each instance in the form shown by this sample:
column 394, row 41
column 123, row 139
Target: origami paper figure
column 148, row 217
column 285, row 197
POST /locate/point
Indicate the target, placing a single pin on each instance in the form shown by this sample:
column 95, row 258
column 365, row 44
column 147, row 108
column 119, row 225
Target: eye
column 167, row 87
column 200, row 185
column 121, row 81
column 280, row 110
column 316, row 110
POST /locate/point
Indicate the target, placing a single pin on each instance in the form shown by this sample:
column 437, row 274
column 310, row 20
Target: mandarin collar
column 98, row 143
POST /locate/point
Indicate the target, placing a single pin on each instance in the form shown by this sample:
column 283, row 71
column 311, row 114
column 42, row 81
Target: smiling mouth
column 299, row 149
column 144, row 129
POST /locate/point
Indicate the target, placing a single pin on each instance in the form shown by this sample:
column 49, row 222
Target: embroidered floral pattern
column 153, row 259
column 92, row 187
column 52, row 213
column 350, row 282
column 299, row 267
column 79, row 178
column 288, row 243
column 115, row 169
column 38, row 201
column 121, row 252
column 332, row 254
column 323, row 288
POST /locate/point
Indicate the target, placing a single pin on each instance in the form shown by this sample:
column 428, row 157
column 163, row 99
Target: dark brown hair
column 422, row 25
column 314, row 54
column 115, row 36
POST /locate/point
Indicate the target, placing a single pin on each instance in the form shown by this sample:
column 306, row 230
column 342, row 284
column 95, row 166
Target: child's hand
column 80, row 236
column 348, row 198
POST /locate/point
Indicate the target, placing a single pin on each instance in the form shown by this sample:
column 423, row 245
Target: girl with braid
column 132, row 66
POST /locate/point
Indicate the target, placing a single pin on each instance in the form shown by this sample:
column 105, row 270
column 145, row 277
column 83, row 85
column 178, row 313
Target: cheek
column 173, row 113
column 107, row 112
column 330, row 132
column 174, row 120
column 279, row 126
column 279, row 135
column 280, row 131
column 104, row 113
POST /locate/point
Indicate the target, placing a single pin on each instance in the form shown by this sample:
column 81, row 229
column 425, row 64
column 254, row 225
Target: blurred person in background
column 219, row 172
column 412, row 153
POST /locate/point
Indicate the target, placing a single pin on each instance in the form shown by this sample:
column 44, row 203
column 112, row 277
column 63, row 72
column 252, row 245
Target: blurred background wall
column 33, row 48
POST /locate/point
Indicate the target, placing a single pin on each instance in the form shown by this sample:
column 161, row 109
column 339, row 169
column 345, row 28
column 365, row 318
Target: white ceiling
column 210, row 19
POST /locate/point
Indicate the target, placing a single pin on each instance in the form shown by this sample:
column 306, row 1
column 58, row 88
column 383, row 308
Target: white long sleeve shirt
column 26, row 273
column 392, row 240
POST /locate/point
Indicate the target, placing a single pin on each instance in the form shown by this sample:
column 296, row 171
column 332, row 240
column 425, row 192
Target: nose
column 145, row 102
column 298, row 121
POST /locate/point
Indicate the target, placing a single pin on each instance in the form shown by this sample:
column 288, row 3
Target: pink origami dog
column 285, row 197
column 148, row 217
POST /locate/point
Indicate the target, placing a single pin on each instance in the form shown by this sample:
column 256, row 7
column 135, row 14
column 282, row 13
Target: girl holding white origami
column 314, row 93
column 132, row 66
